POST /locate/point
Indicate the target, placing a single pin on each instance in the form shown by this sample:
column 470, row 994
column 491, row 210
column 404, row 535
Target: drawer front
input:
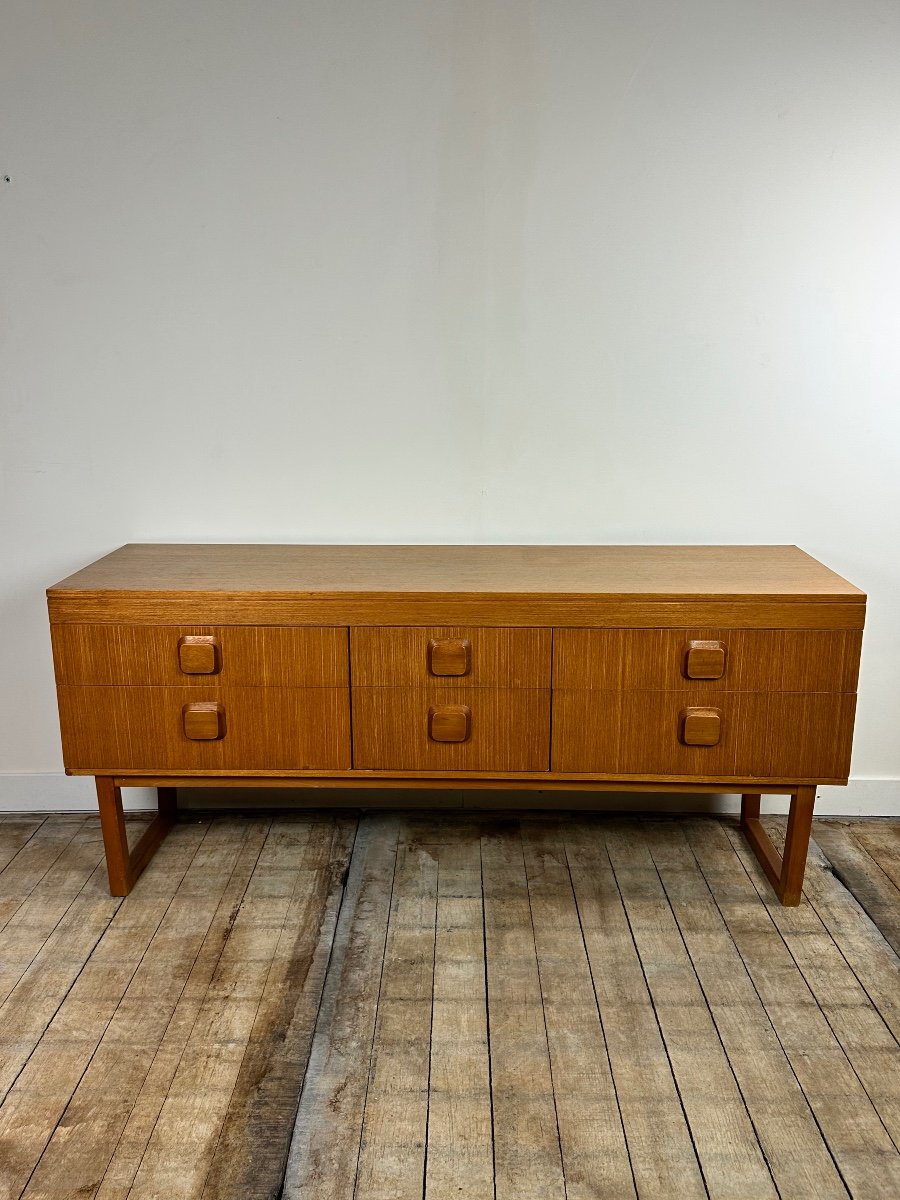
column 193, row 655
column 110, row 729
column 450, row 656
column 439, row 729
column 718, row 660
column 792, row 735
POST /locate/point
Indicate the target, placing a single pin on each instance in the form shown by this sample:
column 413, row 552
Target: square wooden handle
column 701, row 726
column 203, row 721
column 449, row 723
column 704, row 660
column 198, row 654
column 449, row 656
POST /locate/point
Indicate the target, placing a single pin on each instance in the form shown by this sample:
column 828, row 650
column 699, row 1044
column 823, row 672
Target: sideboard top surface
column 726, row 586
column 784, row 573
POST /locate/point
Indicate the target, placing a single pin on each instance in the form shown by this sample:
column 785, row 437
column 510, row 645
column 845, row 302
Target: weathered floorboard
column 251, row 1152
column 503, row 1007
column 862, row 874
column 324, row 1153
column 94, row 1045
column 527, row 1153
column 852, row 1126
column 661, row 1149
column 783, row 1122
column 592, row 1137
column 459, row 1151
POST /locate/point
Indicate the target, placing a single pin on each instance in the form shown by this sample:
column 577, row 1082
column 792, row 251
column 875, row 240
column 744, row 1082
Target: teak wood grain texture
column 106, row 730
column 449, row 656
column 398, row 656
column 783, row 735
column 199, row 654
column 508, row 729
column 746, row 586
column 705, row 660
column 266, row 656
column 757, row 660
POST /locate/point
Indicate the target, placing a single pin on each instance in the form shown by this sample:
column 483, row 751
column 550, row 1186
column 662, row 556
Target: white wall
column 428, row 270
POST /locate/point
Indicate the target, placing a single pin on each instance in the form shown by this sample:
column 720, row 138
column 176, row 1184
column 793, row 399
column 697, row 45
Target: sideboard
column 622, row 668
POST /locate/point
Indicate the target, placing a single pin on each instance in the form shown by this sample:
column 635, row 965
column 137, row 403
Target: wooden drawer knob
column 449, row 656
column 704, row 660
column 701, row 726
column 449, row 723
column 203, row 721
column 199, row 655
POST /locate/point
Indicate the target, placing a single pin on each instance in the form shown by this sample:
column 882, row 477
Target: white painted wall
column 434, row 270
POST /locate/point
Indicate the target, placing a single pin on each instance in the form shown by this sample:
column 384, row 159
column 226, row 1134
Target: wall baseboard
column 55, row 792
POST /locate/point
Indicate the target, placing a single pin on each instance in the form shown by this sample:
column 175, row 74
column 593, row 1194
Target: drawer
column 187, row 728
column 450, row 656
column 791, row 735
column 190, row 655
column 718, row 660
column 463, row 729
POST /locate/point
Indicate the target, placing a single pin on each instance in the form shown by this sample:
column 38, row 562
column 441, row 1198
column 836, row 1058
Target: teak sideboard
column 623, row 668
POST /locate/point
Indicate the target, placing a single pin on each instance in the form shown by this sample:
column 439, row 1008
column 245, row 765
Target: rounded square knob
column 203, row 721
column 198, row 654
column 701, row 726
column 449, row 656
column 449, row 723
column 704, row 660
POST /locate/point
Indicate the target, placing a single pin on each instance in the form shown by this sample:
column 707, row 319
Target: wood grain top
column 782, row 573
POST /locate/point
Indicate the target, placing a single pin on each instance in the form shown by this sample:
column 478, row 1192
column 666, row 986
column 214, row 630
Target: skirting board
column 56, row 792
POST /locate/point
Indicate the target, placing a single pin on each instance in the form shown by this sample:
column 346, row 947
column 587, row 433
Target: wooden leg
column 123, row 865
column 784, row 871
column 750, row 806
column 167, row 802
column 115, row 839
column 796, row 844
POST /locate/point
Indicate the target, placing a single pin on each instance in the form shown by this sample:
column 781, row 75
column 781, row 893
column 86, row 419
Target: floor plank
column 459, row 1148
column 592, row 1137
column 784, row 1124
column 881, row 840
column 733, row 1164
column 324, row 1153
column 855, row 977
column 221, row 872
column 251, row 1152
column 857, row 1138
column 660, row 1146
column 93, row 1046
column 394, row 1131
column 184, row 1142
column 862, row 874
column 527, row 1152
column 27, row 868
column 45, row 946
column 16, row 832
column 442, row 1005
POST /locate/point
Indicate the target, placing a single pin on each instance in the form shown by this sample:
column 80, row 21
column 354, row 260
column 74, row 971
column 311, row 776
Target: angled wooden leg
column 796, row 844
column 784, row 871
column 123, row 865
column 115, row 839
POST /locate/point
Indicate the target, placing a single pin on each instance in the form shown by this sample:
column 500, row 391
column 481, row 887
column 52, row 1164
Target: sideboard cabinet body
column 691, row 668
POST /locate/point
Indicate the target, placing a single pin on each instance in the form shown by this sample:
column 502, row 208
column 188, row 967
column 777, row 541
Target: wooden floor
column 489, row 1007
